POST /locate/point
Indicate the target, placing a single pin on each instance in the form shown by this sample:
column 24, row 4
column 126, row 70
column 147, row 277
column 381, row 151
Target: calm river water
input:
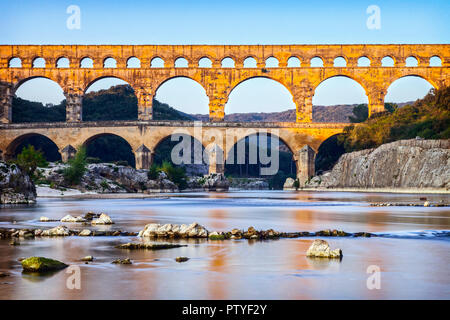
column 413, row 253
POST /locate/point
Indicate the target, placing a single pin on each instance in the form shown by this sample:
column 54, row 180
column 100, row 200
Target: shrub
column 77, row 167
column 175, row 174
column 153, row 172
column 29, row 159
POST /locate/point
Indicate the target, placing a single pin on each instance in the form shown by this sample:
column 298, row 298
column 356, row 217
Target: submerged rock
column 85, row 233
column 122, row 261
column 59, row 231
column 69, row 218
column 149, row 246
column 46, row 219
column 321, row 249
column 289, row 184
column 154, row 230
column 103, row 219
column 41, row 264
column 91, row 215
column 4, row 274
column 87, row 258
column 181, row 259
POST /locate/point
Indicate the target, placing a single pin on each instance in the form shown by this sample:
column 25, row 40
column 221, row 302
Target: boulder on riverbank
column 16, row 187
column 149, row 246
column 108, row 178
column 215, row 182
column 41, row 264
column 414, row 163
column 321, row 249
column 154, row 230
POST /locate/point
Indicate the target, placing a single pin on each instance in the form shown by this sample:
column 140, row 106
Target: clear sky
column 230, row 22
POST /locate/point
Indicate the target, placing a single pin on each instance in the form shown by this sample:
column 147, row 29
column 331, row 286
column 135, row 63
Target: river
column 412, row 251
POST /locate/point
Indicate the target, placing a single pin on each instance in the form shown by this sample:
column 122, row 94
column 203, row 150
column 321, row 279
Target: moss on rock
column 41, row 264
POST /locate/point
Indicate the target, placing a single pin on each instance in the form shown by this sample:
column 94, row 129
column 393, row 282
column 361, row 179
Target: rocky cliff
column 411, row 163
column 15, row 186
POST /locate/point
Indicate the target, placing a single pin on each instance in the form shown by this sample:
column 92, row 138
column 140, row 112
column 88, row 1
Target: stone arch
column 435, row 61
column 14, row 62
column 365, row 86
column 205, row 62
column 11, row 149
column 38, row 62
column 293, row 62
column 272, row 62
column 387, row 57
column 181, row 60
column 237, row 83
column 133, row 62
column 164, row 142
column 178, row 76
column 129, row 147
column 414, row 75
column 60, row 62
column 288, row 165
column 156, row 61
column 340, row 62
column 109, row 60
column 316, row 60
column 364, row 61
column 88, row 60
column 411, row 61
column 92, row 81
column 228, row 62
column 328, row 153
column 250, row 60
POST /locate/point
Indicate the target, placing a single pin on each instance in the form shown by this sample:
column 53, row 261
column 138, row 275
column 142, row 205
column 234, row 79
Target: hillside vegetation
column 427, row 118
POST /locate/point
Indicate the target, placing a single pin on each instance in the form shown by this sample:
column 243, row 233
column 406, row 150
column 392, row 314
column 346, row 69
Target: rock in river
column 85, row 233
column 154, row 230
column 321, row 249
column 40, row 264
column 149, row 246
column 69, row 218
column 56, row 231
column 122, row 261
column 181, row 259
column 103, row 219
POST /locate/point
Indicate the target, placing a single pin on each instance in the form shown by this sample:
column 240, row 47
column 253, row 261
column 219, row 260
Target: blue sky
column 229, row 22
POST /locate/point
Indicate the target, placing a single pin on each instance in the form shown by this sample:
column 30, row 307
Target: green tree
column 29, row 159
column 175, row 174
column 361, row 112
column 77, row 167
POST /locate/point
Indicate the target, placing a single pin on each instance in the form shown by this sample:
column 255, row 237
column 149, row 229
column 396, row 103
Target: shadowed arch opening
column 157, row 62
column 133, row 63
column 257, row 156
column 39, row 142
column 86, row 63
column 293, row 62
column 406, row 90
column 180, row 98
column 253, row 98
column 227, row 63
column 15, row 63
column 109, row 63
column 328, row 154
column 38, row 99
column 63, row 62
column 335, row 98
column 109, row 98
column 108, row 147
column 195, row 164
column 38, row 63
column 205, row 62
column 250, row 62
